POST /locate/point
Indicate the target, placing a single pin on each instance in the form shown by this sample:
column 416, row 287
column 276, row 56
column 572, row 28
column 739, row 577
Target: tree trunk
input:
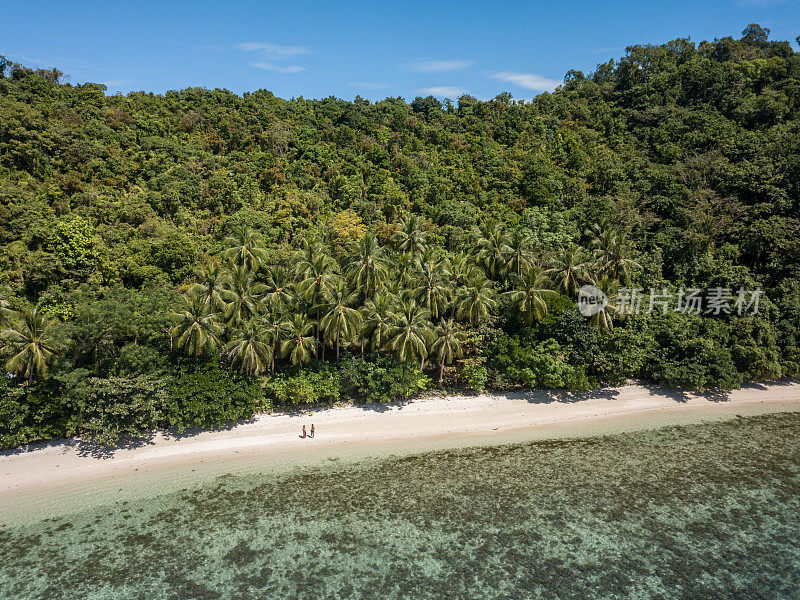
column 441, row 373
column 338, row 338
column 318, row 332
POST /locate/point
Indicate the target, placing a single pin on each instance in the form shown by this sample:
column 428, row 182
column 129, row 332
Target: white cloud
column 369, row 85
column 273, row 56
column 440, row 66
column 116, row 82
column 278, row 68
column 272, row 49
column 529, row 81
column 74, row 66
column 443, row 91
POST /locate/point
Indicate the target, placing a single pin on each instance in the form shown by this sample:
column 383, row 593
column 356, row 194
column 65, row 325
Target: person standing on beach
column 312, row 430
column 303, row 435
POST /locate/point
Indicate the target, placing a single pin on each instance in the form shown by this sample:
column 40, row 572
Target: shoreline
column 65, row 473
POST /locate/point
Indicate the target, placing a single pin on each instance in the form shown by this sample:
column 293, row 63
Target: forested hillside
column 188, row 259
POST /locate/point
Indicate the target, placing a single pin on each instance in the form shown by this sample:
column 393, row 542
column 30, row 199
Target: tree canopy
column 305, row 243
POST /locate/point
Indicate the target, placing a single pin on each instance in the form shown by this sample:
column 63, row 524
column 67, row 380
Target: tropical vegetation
column 187, row 259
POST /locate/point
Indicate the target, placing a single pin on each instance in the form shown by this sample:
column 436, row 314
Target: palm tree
column 318, row 279
column 243, row 249
column 411, row 333
column 603, row 319
column 298, row 344
column 397, row 290
column 493, row 246
column 459, row 271
column 310, row 249
column 245, row 296
column 97, row 345
column 198, row 331
column 530, row 290
column 367, row 267
column 30, row 342
column 378, row 321
column 274, row 326
column 410, row 238
column 568, row 271
column 340, row 321
column 213, row 286
column 278, row 288
column 519, row 255
column 476, row 301
column 404, row 268
column 448, row 345
column 612, row 250
column 430, row 288
column 460, row 268
column 250, row 348
column 5, row 310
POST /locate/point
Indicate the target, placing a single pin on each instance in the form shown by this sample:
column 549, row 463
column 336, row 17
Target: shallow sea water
column 703, row 512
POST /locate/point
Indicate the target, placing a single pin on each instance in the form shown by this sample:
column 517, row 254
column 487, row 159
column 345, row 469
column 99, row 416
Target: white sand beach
column 45, row 470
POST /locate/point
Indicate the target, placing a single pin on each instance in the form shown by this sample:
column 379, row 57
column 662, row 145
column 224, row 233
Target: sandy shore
column 357, row 432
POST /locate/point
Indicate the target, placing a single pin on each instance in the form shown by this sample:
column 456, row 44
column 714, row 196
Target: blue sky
column 373, row 49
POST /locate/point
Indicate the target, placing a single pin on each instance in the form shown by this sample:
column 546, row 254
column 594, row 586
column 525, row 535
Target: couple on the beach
column 310, row 434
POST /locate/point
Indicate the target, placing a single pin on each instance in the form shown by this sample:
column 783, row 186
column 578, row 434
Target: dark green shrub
column 691, row 352
column 206, row 395
column 15, row 426
column 569, row 328
column 622, row 353
column 754, row 349
column 32, row 414
column 314, row 385
column 122, row 406
column 473, row 375
column 134, row 358
column 380, row 379
column 540, row 364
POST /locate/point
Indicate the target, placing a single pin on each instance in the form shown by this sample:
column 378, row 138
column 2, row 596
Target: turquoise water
column 700, row 512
